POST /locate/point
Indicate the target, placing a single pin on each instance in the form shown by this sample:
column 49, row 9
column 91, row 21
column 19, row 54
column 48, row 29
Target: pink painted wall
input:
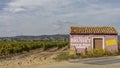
column 85, row 41
column 113, row 47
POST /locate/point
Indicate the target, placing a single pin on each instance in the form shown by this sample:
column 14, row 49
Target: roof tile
column 93, row 30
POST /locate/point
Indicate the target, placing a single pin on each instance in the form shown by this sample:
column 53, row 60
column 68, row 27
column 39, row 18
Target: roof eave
column 93, row 34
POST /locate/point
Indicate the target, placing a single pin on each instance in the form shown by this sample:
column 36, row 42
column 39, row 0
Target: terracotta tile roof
column 93, row 30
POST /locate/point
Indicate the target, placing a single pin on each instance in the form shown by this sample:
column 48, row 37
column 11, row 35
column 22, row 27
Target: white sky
column 38, row 17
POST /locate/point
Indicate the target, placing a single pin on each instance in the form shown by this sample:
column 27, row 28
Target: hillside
column 57, row 37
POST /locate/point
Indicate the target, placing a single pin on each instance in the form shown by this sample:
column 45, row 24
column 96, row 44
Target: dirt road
column 105, row 62
column 44, row 59
column 35, row 57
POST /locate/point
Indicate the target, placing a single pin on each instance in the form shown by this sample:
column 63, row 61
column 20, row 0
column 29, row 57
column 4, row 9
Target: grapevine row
column 10, row 47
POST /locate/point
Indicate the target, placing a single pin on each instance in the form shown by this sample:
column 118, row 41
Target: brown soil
column 34, row 57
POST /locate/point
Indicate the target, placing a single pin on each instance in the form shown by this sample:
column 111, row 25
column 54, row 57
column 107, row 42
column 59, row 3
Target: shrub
column 72, row 51
column 119, row 46
column 98, row 53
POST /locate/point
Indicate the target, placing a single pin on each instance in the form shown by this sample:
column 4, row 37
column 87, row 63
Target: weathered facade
column 94, row 37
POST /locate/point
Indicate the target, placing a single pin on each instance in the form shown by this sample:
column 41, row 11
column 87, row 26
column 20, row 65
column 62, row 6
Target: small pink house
column 94, row 37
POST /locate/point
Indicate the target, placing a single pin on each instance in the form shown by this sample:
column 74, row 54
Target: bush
column 119, row 46
column 98, row 53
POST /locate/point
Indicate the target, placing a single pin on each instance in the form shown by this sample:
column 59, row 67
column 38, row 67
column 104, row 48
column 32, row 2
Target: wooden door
column 98, row 43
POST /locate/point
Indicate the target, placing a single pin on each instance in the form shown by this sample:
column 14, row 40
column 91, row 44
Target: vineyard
column 8, row 47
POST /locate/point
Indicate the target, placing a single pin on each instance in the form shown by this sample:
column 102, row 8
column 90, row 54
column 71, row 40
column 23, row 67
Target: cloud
column 3, row 3
column 36, row 17
column 28, row 5
column 62, row 24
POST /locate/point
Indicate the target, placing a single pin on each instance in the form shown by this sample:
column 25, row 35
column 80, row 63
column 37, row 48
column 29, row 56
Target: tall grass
column 119, row 46
column 98, row 53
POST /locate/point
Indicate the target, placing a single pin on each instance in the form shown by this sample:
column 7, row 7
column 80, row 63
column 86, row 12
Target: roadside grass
column 65, row 56
column 98, row 53
column 119, row 46
column 62, row 56
column 90, row 54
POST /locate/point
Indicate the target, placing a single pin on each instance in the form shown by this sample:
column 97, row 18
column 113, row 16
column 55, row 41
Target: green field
column 10, row 47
